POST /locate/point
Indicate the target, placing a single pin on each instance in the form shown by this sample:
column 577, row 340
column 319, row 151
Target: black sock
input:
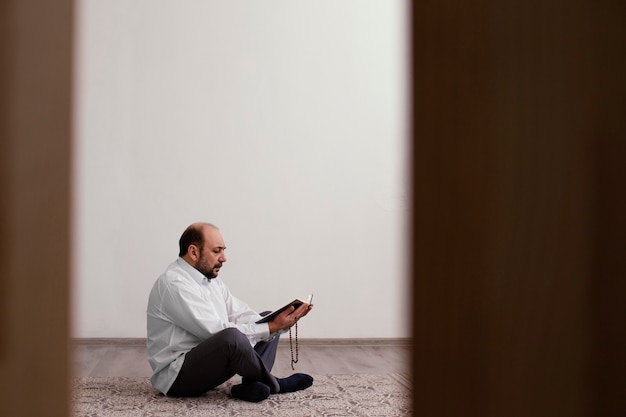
column 253, row 392
column 295, row 382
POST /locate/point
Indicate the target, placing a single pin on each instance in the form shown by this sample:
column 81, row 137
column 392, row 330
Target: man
column 200, row 335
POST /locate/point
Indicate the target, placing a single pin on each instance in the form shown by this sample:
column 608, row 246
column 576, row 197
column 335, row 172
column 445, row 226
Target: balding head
column 202, row 247
column 194, row 234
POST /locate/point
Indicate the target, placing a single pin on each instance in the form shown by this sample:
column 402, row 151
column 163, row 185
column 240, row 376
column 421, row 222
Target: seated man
column 200, row 335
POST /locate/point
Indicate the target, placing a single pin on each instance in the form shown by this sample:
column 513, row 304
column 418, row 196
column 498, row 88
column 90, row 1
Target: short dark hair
column 191, row 236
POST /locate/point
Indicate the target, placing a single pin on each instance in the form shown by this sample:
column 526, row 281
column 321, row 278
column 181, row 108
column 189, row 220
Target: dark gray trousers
column 219, row 358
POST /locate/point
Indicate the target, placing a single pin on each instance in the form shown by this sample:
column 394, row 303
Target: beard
column 206, row 269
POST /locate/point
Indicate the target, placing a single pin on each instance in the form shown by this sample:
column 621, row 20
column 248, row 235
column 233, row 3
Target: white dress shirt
column 185, row 309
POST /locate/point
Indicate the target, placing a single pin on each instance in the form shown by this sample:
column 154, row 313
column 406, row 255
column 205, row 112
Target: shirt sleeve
column 237, row 310
column 184, row 306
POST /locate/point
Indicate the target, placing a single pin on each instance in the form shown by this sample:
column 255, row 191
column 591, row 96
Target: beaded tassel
column 291, row 347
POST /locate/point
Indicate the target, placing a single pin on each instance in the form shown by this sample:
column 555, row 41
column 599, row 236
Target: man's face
column 212, row 255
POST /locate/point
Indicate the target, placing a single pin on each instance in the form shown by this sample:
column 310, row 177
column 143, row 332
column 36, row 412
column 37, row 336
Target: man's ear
column 193, row 252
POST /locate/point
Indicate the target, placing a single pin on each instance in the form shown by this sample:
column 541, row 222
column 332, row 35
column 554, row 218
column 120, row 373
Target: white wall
column 283, row 122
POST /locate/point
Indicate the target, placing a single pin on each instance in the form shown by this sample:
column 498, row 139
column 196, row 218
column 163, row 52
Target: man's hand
column 289, row 317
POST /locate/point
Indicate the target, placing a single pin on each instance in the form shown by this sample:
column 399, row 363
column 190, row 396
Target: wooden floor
column 128, row 357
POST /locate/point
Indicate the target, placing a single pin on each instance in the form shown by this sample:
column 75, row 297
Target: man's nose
column 223, row 258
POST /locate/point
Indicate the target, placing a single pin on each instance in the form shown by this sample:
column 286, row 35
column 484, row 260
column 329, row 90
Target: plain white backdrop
column 282, row 122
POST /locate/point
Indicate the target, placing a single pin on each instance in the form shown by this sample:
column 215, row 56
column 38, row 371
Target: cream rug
column 330, row 395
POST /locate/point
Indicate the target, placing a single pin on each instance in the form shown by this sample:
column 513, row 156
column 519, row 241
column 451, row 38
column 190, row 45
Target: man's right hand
column 289, row 317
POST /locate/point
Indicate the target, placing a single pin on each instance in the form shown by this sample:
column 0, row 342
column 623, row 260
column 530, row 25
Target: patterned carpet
column 330, row 395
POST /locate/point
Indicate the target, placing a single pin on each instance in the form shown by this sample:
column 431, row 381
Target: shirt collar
column 193, row 272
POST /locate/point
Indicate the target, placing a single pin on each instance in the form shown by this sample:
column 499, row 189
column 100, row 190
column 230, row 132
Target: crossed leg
column 219, row 358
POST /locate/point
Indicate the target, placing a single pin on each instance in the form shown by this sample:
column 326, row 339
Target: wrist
column 272, row 327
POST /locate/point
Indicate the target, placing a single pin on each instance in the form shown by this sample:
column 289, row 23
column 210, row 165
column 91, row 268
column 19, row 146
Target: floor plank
column 114, row 358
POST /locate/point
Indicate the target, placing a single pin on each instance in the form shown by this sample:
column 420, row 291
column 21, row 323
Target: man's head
column 202, row 246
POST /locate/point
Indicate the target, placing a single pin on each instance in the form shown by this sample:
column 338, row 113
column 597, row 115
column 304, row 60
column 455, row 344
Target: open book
column 296, row 303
